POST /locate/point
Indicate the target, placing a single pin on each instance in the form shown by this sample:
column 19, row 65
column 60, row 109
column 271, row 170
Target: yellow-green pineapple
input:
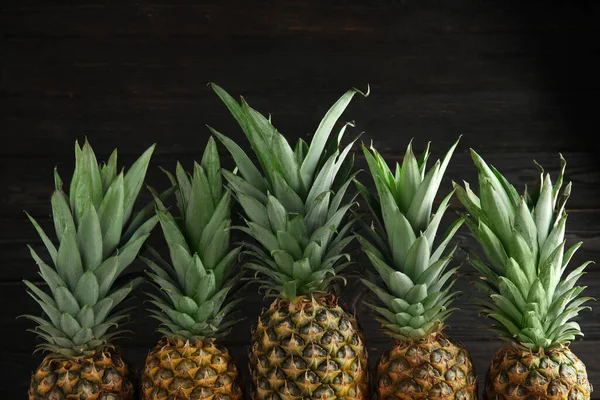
column 530, row 297
column 413, row 282
column 196, row 307
column 305, row 346
column 97, row 240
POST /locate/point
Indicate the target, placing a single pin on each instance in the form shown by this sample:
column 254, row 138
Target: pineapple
column 97, row 240
column 522, row 237
column 195, row 308
column 415, row 285
column 305, row 344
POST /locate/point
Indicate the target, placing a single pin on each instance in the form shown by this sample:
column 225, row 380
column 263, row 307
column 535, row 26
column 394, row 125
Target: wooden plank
column 230, row 18
column 178, row 124
column 82, row 67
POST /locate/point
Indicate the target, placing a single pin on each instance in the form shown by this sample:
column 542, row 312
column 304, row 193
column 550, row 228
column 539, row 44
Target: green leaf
column 109, row 171
column 288, row 198
column 106, row 274
column 543, row 212
column 47, row 242
column 206, row 288
column 521, row 253
column 516, row 275
column 317, row 145
column 417, row 258
column 485, row 173
column 246, row 167
column 69, row 325
column 416, row 294
column 317, row 214
column 133, row 181
column 88, row 187
column 499, row 217
column 322, row 182
column 212, row 166
column 433, row 271
column 277, row 214
column 400, row 232
column 568, row 255
column 89, row 238
column 193, row 273
column 549, row 270
column 284, row 261
column 264, row 236
column 40, row 293
column 68, row 260
column 288, row 244
column 399, row 284
column 145, row 215
column 255, row 211
column 287, row 162
column 186, row 305
column 205, row 311
column 85, row 316
column 492, row 246
column 554, row 239
column 222, row 213
column 48, row 274
column 65, row 301
column 538, row 295
column 61, row 214
column 87, row 290
column 380, row 265
column 217, row 247
column 432, row 227
column 240, row 185
column 419, row 211
column 200, row 206
column 289, row 289
column 223, row 270
column 508, row 308
column 111, row 215
column 440, row 251
column 184, row 188
column 101, row 309
column 410, row 179
column 301, row 270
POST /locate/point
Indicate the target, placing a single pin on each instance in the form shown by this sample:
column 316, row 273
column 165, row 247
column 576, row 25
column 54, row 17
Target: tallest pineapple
column 97, row 240
column 305, row 345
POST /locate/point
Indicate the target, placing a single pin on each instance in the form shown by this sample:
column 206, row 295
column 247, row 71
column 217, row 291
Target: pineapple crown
column 414, row 283
column 522, row 237
column 295, row 207
column 196, row 283
column 97, row 240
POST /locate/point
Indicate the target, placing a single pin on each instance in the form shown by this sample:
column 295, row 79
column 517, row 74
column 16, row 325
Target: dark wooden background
column 518, row 79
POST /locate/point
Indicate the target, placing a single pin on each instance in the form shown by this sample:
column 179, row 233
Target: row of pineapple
column 305, row 345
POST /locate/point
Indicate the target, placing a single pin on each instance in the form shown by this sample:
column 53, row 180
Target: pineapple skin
column 307, row 348
column 436, row 367
column 520, row 373
column 101, row 376
column 190, row 370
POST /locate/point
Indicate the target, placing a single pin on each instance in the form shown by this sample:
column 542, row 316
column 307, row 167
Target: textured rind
column 190, row 370
column 308, row 348
column 436, row 367
column 102, row 376
column 520, row 373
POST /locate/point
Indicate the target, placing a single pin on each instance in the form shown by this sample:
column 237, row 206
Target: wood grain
column 517, row 79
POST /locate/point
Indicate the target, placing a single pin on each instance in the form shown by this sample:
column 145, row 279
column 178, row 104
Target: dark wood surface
column 519, row 81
